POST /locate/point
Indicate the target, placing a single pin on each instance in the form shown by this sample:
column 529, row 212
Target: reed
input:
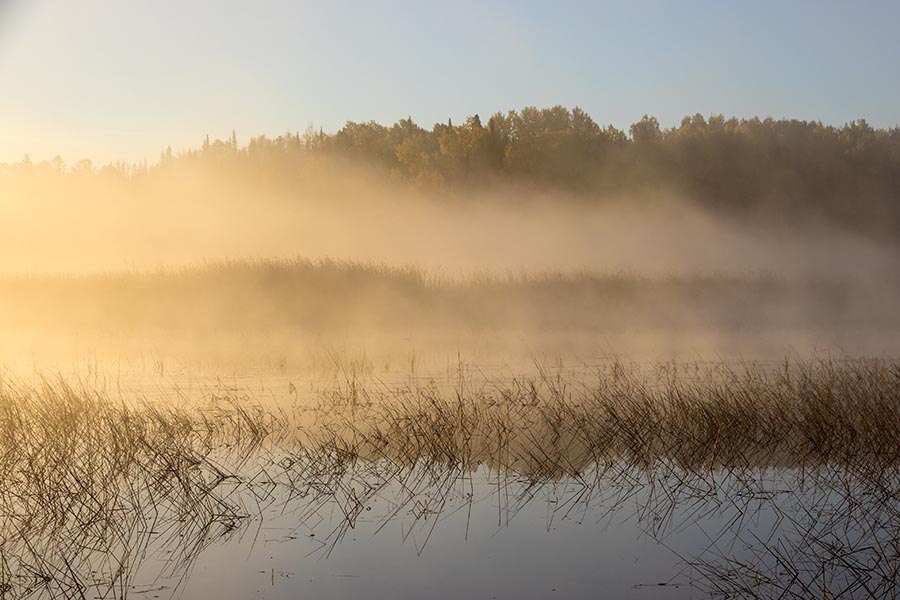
column 93, row 483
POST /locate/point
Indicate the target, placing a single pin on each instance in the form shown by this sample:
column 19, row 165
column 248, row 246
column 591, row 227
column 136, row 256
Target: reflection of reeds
column 87, row 485
column 816, row 446
column 90, row 485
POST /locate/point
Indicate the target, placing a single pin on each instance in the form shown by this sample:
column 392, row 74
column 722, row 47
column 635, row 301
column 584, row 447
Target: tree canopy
column 740, row 166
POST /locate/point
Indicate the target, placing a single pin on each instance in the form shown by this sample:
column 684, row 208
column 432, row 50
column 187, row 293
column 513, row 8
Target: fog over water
column 532, row 353
column 88, row 226
column 435, row 273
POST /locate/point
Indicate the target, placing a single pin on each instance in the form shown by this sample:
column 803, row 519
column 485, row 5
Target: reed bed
column 327, row 295
column 88, row 484
column 92, row 484
column 696, row 416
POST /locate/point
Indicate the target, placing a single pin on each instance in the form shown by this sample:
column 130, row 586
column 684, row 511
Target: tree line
column 740, row 166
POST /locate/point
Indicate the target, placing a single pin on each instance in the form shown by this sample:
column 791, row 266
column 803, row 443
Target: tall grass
column 273, row 295
column 88, row 483
column 92, row 484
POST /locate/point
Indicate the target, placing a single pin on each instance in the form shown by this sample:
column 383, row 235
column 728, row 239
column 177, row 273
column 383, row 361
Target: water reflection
column 749, row 482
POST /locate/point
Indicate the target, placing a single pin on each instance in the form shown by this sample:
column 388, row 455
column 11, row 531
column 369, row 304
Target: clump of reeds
column 696, row 416
column 817, row 443
column 89, row 484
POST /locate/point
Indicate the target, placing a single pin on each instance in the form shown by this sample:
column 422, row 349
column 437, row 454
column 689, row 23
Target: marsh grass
column 94, row 485
column 328, row 295
column 90, row 484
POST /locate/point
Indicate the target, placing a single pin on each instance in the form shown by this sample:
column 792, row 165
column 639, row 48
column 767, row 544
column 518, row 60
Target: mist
column 208, row 266
column 523, row 354
column 66, row 224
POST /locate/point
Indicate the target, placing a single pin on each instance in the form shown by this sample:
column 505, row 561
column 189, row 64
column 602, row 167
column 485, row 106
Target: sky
column 114, row 80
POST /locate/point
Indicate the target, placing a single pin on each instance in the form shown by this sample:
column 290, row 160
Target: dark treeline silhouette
column 794, row 169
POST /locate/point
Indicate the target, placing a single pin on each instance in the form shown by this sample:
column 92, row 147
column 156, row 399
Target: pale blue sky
column 109, row 79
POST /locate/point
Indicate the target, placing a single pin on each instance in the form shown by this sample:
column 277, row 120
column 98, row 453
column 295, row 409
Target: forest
column 791, row 169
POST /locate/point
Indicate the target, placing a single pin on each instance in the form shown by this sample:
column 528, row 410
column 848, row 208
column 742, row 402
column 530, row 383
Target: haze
column 406, row 300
